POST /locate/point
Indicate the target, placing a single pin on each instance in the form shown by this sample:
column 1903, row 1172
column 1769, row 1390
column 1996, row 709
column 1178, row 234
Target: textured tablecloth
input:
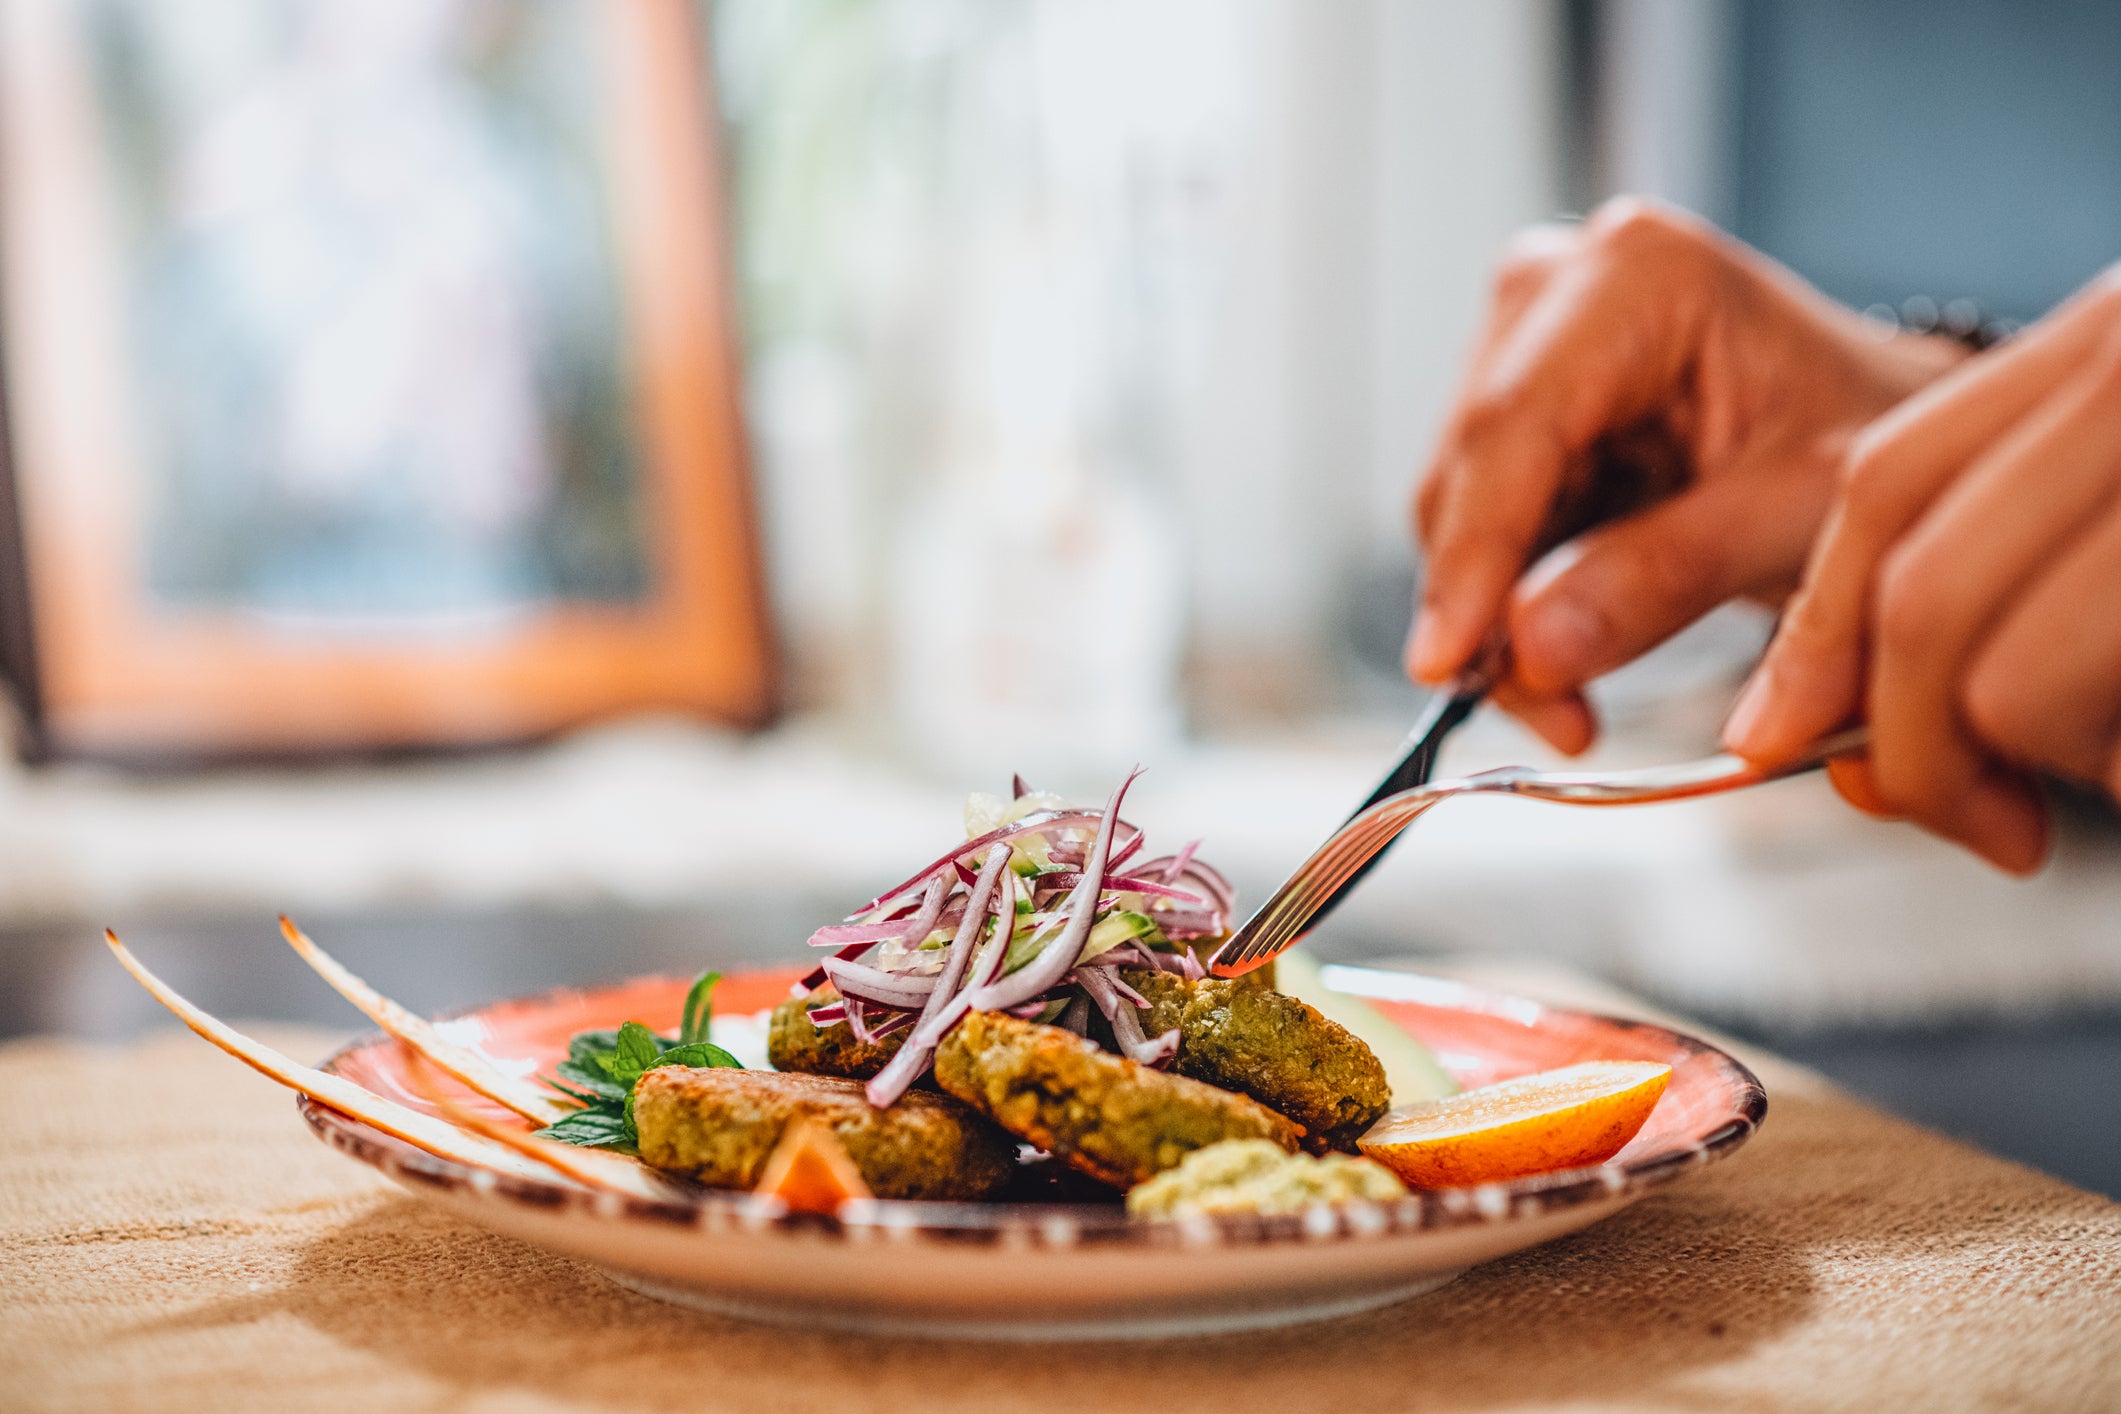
column 176, row 1240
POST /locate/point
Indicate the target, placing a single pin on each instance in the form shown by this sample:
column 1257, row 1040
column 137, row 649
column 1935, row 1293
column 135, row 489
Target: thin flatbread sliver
column 594, row 1168
column 459, row 1063
column 436, row 1137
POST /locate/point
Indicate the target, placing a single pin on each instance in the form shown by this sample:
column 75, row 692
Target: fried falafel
column 1272, row 1047
column 794, row 1043
column 1107, row 1116
column 720, row 1126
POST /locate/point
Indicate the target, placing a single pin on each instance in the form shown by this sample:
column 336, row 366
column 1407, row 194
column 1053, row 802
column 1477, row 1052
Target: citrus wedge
column 810, row 1170
column 1557, row 1119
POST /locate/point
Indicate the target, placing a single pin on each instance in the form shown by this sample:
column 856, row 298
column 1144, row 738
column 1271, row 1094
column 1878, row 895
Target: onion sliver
column 1039, row 975
column 903, row 1069
column 1118, row 1002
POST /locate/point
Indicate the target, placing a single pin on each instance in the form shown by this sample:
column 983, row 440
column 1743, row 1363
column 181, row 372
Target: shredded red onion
column 919, row 926
column 1124, row 853
column 1210, row 884
column 1038, row 822
column 815, row 978
column 858, row 1022
column 840, row 935
column 903, row 1069
column 923, row 992
column 1187, row 922
column 1114, row 979
column 1120, row 885
column 1054, row 960
column 1180, row 860
column 873, row 985
column 1118, row 1003
column 1018, row 790
column 985, row 969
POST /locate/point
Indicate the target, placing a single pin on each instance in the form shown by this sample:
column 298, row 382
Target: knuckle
column 1525, row 254
column 1529, row 257
column 1636, row 228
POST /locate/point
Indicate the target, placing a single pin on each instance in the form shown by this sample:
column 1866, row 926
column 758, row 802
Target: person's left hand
column 1965, row 597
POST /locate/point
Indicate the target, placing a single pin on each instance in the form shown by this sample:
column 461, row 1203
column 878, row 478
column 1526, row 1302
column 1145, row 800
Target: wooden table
column 175, row 1240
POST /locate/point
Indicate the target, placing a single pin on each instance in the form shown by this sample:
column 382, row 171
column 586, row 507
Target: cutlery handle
column 1444, row 712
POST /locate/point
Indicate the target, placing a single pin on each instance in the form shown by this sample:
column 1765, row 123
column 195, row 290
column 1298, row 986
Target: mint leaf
column 593, row 1129
column 595, row 1083
column 702, row 1055
column 588, row 1047
column 699, row 1009
column 636, row 1051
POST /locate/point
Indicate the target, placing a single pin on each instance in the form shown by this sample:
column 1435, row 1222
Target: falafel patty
column 794, row 1043
column 1273, row 1047
column 720, row 1126
column 1109, row 1117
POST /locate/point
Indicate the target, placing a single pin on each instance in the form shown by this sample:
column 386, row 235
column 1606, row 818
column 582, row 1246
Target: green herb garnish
column 602, row 1068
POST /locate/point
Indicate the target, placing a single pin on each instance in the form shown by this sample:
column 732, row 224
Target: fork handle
column 1659, row 783
column 1443, row 714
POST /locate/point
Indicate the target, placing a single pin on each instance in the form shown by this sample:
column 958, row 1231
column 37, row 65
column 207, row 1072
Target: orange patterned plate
column 1048, row 1270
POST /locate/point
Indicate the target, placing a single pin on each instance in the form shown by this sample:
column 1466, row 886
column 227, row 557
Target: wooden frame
column 100, row 667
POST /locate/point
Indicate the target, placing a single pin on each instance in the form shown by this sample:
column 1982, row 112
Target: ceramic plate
column 1050, row 1270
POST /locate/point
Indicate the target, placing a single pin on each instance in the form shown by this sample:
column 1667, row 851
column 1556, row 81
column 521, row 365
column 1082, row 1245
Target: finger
column 1527, row 266
column 1564, row 721
column 1617, row 591
column 1811, row 678
column 1965, row 562
column 2004, row 820
column 1851, row 776
column 2011, row 823
column 1590, row 352
column 2045, row 689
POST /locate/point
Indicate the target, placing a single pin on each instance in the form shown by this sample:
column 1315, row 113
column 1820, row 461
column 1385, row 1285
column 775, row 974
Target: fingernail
column 1743, row 725
column 1560, row 643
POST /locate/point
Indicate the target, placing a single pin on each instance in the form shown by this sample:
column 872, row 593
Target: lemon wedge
column 1557, row 1119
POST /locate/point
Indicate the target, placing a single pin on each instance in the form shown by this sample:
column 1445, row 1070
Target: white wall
column 1286, row 209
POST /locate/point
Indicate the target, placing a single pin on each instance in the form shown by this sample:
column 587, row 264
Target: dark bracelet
column 1959, row 319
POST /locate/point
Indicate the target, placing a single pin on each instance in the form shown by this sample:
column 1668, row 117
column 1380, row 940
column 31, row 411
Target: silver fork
column 1288, row 915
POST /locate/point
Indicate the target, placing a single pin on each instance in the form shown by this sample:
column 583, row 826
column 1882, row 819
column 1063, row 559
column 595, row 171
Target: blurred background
column 1084, row 354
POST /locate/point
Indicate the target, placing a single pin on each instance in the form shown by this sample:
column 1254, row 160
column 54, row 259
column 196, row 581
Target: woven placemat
column 176, row 1240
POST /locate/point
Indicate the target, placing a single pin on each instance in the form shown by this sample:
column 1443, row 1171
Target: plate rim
column 1064, row 1225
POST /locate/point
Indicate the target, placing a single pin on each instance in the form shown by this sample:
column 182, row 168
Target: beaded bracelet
column 1959, row 319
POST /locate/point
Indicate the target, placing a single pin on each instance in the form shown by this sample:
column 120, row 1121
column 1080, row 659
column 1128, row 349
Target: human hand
column 1965, row 596
column 1685, row 398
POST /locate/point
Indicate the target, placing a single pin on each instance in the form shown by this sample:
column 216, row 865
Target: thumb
column 1619, row 590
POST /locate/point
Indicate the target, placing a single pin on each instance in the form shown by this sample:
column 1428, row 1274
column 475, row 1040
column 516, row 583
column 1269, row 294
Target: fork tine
column 1315, row 884
column 1280, row 921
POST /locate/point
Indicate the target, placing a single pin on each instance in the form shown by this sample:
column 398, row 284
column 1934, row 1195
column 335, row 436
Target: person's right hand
column 1681, row 395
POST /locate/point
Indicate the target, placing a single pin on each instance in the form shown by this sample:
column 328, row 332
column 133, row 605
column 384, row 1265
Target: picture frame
column 472, row 504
